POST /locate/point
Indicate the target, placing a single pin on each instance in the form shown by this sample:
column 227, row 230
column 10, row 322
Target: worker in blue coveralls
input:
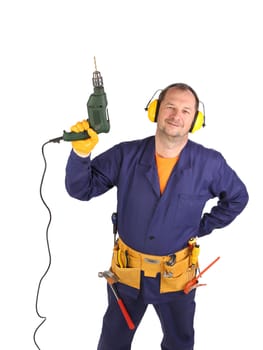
column 163, row 183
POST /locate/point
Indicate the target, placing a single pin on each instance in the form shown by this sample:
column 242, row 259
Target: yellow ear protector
column 199, row 120
column 153, row 108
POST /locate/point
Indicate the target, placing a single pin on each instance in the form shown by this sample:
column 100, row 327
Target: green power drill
column 98, row 117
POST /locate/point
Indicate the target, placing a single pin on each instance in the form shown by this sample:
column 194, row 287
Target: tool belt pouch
column 130, row 276
column 174, row 278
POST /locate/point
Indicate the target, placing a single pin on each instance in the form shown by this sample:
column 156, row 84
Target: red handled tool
column 111, row 279
column 194, row 282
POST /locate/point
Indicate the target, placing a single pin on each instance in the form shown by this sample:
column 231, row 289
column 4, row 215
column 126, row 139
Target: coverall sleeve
column 232, row 198
column 85, row 180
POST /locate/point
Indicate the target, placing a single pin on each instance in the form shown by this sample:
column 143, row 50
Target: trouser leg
column 115, row 334
column 177, row 318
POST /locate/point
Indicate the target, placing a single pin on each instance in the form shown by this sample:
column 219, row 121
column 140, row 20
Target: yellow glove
column 84, row 147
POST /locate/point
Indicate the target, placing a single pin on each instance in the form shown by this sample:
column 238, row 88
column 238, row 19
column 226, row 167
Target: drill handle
column 75, row 136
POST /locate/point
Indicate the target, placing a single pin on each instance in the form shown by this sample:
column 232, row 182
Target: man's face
column 176, row 113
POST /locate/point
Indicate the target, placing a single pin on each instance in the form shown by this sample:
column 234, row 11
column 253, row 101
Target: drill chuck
column 97, row 79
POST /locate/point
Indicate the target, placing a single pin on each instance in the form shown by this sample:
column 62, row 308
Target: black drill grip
column 75, row 136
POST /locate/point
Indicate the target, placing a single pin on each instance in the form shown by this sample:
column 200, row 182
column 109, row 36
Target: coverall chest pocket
column 190, row 208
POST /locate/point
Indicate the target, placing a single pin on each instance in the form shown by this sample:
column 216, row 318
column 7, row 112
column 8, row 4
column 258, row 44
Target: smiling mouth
column 172, row 123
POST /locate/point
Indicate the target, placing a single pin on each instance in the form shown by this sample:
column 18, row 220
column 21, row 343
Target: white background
column 46, row 66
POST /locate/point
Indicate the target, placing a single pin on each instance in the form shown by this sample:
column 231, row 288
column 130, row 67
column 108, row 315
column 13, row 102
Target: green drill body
column 98, row 117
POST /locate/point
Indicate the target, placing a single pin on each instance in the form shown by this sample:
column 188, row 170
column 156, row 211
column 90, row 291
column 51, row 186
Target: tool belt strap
column 151, row 264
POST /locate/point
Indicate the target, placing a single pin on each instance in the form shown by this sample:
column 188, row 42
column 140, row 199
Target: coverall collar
column 148, row 160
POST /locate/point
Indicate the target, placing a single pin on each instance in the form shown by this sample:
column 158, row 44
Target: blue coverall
column 158, row 224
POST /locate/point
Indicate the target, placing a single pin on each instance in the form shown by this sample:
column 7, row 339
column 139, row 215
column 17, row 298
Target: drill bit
column 97, row 78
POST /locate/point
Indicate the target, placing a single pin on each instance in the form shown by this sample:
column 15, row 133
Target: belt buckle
column 151, row 261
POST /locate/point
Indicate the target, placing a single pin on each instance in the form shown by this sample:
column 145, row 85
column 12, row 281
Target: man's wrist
column 82, row 155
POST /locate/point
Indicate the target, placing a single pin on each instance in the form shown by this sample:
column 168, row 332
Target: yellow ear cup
column 199, row 122
column 152, row 108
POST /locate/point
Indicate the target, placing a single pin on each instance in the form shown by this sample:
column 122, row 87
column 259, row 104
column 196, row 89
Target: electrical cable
column 47, row 240
column 99, row 121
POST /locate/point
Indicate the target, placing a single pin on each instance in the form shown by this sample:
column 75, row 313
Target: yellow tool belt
column 175, row 270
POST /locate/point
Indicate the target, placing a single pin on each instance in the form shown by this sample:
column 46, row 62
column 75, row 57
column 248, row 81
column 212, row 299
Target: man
column 163, row 182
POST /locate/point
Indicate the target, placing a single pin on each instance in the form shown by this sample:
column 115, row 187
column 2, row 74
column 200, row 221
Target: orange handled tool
column 111, row 279
column 194, row 282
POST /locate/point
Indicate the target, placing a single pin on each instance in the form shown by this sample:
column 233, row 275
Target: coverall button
column 151, row 237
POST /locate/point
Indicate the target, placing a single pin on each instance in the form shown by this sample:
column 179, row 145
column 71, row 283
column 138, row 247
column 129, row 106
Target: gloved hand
column 84, row 147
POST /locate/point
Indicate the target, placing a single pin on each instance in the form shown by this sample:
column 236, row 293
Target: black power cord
column 47, row 239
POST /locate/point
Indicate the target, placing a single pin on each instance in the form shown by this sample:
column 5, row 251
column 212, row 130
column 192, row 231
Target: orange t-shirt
column 164, row 169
